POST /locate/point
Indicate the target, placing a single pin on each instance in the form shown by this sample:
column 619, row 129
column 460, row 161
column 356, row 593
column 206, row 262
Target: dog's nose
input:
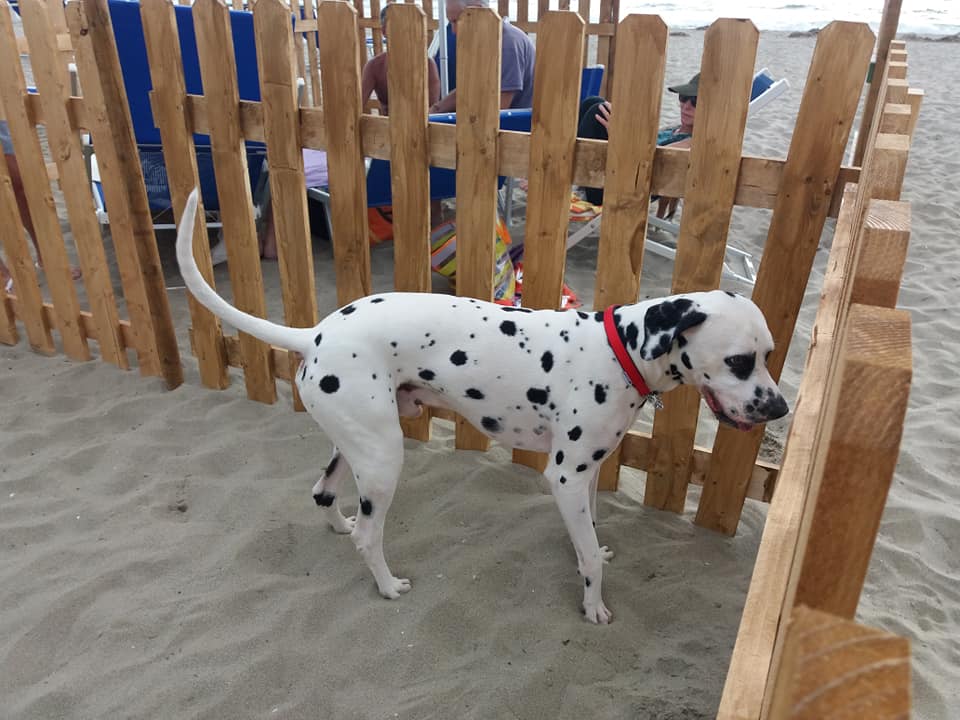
column 776, row 408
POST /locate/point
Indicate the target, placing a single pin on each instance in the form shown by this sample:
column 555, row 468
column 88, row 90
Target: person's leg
column 590, row 128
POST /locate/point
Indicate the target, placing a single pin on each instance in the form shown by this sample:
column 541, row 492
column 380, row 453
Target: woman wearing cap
column 595, row 119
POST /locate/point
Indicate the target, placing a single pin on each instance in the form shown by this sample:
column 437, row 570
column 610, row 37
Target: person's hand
column 604, row 114
column 667, row 207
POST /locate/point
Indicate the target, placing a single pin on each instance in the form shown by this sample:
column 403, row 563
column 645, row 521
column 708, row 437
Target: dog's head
column 719, row 343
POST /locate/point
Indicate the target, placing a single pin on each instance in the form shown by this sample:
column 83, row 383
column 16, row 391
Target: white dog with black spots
column 548, row 381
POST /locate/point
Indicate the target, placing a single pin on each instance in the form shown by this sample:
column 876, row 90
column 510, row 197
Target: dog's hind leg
column 572, row 496
column 326, row 493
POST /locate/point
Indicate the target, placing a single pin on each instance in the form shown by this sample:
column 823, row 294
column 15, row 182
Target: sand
column 162, row 557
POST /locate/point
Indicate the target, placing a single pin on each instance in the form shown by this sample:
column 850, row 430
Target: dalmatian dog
column 547, row 381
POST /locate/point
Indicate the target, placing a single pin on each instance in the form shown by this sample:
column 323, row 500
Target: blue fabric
column 131, row 47
column 516, row 65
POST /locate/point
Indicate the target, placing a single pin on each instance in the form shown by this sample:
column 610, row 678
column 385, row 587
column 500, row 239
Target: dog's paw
column 598, row 614
column 395, row 588
column 343, row 525
column 606, row 554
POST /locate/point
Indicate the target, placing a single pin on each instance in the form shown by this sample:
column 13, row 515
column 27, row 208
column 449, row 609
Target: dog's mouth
column 717, row 409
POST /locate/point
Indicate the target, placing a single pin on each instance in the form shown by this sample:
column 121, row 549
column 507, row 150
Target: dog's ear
column 664, row 322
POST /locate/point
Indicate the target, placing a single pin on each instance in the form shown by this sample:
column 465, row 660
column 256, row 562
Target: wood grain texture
column 53, row 84
column 39, row 194
column 169, row 104
column 339, row 58
column 634, row 125
column 288, row 188
column 729, row 53
column 835, row 669
column 883, row 253
column 478, row 100
column 556, row 92
column 889, row 166
column 824, row 121
column 218, row 70
column 888, row 29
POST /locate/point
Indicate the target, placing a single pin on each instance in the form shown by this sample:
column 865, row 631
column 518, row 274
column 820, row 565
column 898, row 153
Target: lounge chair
column 739, row 264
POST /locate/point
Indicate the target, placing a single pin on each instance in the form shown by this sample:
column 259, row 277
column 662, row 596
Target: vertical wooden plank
column 556, row 95
column 896, row 118
column 52, row 83
column 883, row 253
column 729, row 52
column 409, row 163
column 95, row 23
column 834, row 668
column 219, row 73
column 826, row 116
column 168, row 100
column 889, row 166
column 375, row 32
column 914, row 100
column 361, row 31
column 478, row 93
column 309, row 42
column 606, row 45
column 861, row 458
column 888, row 29
column 634, row 124
column 348, row 185
column 543, row 7
column 20, row 263
column 503, row 8
column 523, row 11
column 583, row 10
column 428, row 11
column 36, row 185
column 288, row 188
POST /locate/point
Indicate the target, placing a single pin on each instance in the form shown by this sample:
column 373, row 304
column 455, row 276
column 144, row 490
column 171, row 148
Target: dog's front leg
column 605, row 552
column 572, row 496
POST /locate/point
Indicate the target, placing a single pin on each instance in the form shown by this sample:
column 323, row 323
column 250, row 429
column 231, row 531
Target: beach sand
column 162, row 556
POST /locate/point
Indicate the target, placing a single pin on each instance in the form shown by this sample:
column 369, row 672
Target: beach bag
column 443, row 258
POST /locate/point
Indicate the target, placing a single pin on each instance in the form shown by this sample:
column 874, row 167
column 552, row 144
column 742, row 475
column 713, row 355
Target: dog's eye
column 741, row 365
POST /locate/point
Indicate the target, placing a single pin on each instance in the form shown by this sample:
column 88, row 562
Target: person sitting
column 594, row 124
column 6, row 281
column 374, row 77
column 517, row 56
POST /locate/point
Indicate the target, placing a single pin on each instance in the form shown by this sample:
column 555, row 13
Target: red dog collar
column 626, row 362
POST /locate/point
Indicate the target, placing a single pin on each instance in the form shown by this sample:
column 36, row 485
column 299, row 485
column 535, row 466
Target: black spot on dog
column 347, row 310
column 681, row 341
column 303, row 375
column 598, row 316
column 575, row 433
column 366, row 507
column 599, row 454
column 491, row 424
column 741, row 365
column 685, row 359
column 332, row 465
column 706, row 376
column 508, row 327
column 581, row 467
column 324, row 499
column 393, row 343
column 459, row 357
column 599, row 394
column 559, row 457
column 330, row 383
column 376, row 300
column 586, row 581
column 563, row 479
column 538, row 396
column 474, row 393
column 316, row 340
column 758, row 391
column 632, row 333
column 517, row 309
column 731, row 294
column 583, row 315
column 546, row 361
column 427, row 375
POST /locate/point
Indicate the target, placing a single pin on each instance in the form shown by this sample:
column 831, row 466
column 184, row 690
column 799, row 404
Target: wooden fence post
column 478, row 100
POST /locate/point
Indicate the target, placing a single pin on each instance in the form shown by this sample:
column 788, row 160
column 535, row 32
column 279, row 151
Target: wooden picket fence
column 858, row 336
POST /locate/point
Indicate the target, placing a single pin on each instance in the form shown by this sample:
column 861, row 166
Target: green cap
column 688, row 88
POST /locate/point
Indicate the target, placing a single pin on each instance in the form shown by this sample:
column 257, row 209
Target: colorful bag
column 443, row 258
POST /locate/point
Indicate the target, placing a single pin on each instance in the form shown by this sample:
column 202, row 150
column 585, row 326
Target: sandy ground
column 162, row 557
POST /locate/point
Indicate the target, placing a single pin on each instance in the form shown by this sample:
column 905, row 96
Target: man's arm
column 447, row 104
column 506, row 98
column 367, row 81
column 433, row 82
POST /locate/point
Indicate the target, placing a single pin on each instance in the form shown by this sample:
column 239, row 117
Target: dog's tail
column 298, row 339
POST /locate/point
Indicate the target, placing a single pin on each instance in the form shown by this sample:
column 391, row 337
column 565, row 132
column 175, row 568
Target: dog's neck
column 661, row 374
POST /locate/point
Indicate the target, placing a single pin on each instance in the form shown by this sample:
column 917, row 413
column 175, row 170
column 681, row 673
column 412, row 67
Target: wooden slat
column 583, row 10
column 168, row 101
column 310, row 42
column 823, row 126
column 897, row 70
column 888, row 28
column 38, row 192
column 604, row 44
column 219, row 73
column 633, row 141
column 889, row 166
column 94, row 23
column 52, row 83
column 602, row 29
column 835, row 669
column 523, row 13
column 409, row 168
column 556, row 92
column 883, row 253
column 13, row 242
column 87, row 326
column 767, row 596
column 375, row 32
column 288, row 188
column 896, row 118
column 860, row 459
column 896, row 91
column 729, row 52
column 348, row 186
column 914, row 100
column 478, row 100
